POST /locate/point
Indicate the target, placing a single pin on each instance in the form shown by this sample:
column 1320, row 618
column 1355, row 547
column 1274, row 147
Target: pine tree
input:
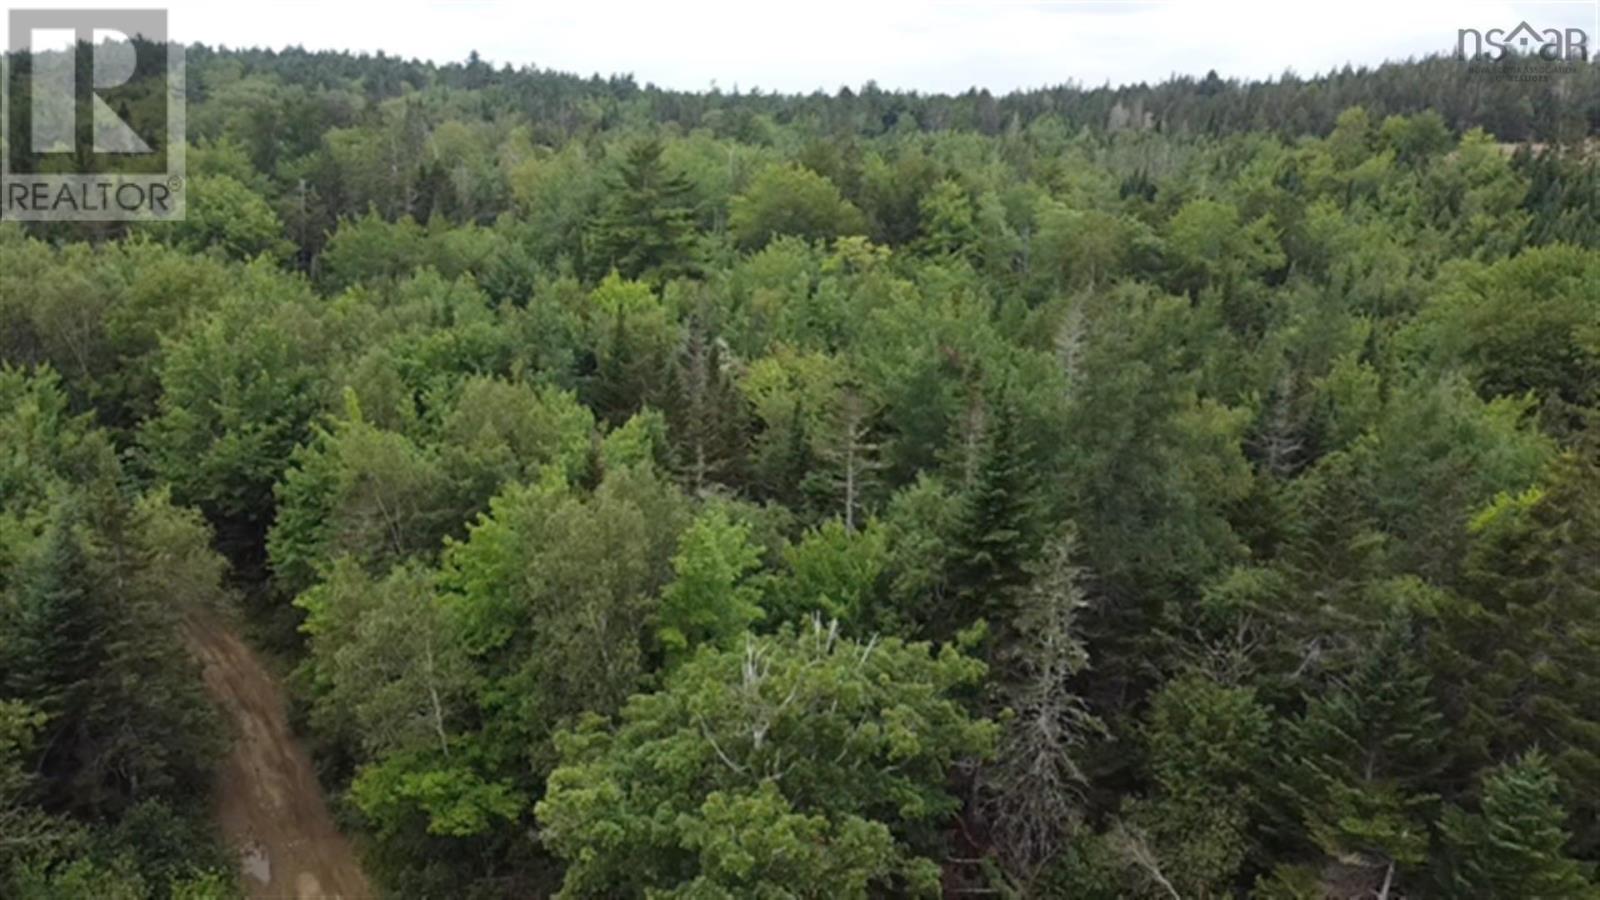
column 59, row 632
column 647, row 227
column 1523, row 655
column 996, row 534
column 1516, row 847
column 1365, row 755
column 795, row 459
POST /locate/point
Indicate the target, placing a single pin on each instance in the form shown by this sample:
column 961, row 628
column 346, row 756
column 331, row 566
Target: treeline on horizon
column 1483, row 94
column 1187, row 491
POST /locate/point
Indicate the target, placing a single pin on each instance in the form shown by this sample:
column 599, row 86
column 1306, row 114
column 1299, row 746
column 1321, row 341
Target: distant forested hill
column 1562, row 101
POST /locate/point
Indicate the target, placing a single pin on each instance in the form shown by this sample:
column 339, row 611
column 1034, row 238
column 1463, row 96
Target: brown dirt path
column 269, row 803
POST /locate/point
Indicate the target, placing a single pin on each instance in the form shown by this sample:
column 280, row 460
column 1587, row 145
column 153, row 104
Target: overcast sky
column 927, row 45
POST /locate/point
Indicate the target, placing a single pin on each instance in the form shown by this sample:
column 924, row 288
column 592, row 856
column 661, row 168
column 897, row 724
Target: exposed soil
column 269, row 803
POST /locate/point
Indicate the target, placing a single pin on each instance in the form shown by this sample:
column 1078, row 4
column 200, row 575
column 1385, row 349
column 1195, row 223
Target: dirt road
column 269, row 803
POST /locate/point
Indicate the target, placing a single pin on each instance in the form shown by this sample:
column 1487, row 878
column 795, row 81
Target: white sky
column 927, row 45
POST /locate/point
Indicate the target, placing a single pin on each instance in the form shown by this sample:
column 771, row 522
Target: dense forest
column 1172, row 491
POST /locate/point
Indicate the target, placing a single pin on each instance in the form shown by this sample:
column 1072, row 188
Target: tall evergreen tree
column 646, row 228
column 1522, row 655
column 1516, row 847
column 997, row 534
column 707, row 413
column 1365, row 755
column 57, row 635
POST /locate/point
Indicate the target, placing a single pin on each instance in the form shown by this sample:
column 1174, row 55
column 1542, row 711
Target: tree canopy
column 1179, row 490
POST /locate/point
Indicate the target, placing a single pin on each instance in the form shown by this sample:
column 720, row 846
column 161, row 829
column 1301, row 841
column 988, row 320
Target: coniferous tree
column 1365, row 755
column 707, row 412
column 58, row 630
column 1522, row 656
column 1316, row 379
column 999, row 516
column 795, row 459
column 1516, row 846
column 646, row 229
column 1035, row 783
column 849, row 456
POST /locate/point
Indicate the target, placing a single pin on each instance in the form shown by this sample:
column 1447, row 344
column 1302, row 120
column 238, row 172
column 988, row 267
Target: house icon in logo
column 1525, row 38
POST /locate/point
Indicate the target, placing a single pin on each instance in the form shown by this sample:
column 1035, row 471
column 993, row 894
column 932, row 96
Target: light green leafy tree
column 712, row 598
column 788, row 199
column 801, row 765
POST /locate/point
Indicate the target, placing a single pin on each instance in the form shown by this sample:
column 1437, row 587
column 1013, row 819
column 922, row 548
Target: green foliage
column 833, row 572
column 106, row 740
column 1520, row 325
column 239, row 390
column 1523, row 648
column 228, row 215
column 1365, row 752
column 452, row 798
column 1081, row 248
column 634, row 341
column 1207, row 743
column 997, row 530
column 1153, row 466
column 1516, row 847
column 733, row 777
column 706, row 416
column 25, row 826
column 711, row 599
column 645, row 229
column 557, row 592
column 388, row 663
column 545, row 405
column 361, row 491
column 1212, row 248
column 790, row 200
column 370, row 248
column 92, row 645
column 949, row 223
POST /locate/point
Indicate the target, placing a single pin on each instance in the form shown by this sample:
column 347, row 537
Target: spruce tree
column 58, row 643
column 1516, row 847
column 1366, row 753
column 795, row 459
column 1523, row 655
column 646, row 229
column 996, row 535
column 707, row 412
